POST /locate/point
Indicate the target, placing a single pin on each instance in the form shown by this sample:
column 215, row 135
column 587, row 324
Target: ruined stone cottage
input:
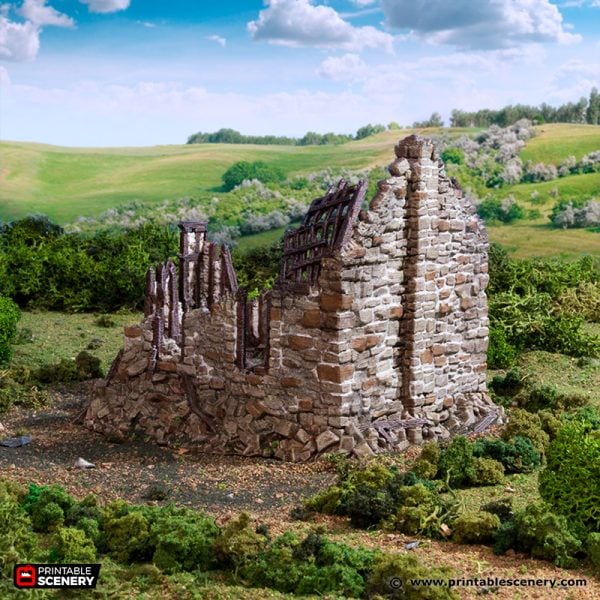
column 373, row 338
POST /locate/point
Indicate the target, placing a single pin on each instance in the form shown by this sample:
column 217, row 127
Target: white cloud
column 18, row 41
column 301, row 23
column 38, row 13
column 349, row 67
column 4, row 77
column 217, row 38
column 363, row 2
column 106, row 6
column 21, row 41
column 485, row 24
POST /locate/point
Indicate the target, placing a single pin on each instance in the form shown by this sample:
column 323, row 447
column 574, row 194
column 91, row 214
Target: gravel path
column 130, row 470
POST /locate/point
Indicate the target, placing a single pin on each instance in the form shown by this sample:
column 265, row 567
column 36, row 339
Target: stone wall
column 374, row 337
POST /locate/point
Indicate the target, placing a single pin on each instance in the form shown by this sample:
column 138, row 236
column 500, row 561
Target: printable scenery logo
column 56, row 576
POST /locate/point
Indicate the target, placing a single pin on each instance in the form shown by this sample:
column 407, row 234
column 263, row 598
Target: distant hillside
column 66, row 183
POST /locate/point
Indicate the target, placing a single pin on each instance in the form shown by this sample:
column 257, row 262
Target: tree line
column 586, row 110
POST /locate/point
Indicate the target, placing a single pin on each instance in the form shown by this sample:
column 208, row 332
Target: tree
column 241, row 170
column 593, row 109
column 435, row 120
column 367, row 130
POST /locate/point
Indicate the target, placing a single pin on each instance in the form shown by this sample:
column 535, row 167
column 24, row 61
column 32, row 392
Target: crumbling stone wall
column 374, row 337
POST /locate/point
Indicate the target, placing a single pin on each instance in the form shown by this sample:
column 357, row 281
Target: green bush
column 475, row 527
column 9, row 317
column 85, row 366
column 128, row 537
column 456, row 464
column 241, row 170
column 392, row 567
column 592, row 548
column 18, row 543
column 238, row 542
column 487, row 472
column 525, row 424
column 570, row 483
column 70, row 545
column 420, row 511
column 47, row 506
column 545, row 535
column 502, row 508
column 183, row 540
column 517, row 456
column 312, row 566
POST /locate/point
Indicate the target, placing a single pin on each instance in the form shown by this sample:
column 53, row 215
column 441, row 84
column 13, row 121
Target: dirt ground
column 224, row 486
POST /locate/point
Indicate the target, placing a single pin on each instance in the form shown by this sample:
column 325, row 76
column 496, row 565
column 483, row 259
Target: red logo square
column 25, row 576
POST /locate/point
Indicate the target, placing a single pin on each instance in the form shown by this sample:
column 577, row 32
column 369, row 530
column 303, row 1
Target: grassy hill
column 68, row 182
column 65, row 183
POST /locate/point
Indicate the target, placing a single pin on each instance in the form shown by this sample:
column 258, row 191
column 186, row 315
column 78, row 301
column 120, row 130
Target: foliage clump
column 475, row 527
column 456, row 464
column 244, row 170
column 487, row 471
column 47, row 506
column 541, row 533
column 9, row 317
column 85, row 366
column 570, row 483
column 313, row 565
column 389, row 569
column 529, row 425
column 182, row 540
column 238, row 542
column 71, row 545
column 517, row 456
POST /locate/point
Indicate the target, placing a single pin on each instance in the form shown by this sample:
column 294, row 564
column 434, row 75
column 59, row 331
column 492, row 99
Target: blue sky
column 145, row 72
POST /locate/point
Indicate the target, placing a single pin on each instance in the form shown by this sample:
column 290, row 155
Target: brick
column 359, row 344
column 335, row 302
column 311, row 318
column 396, row 312
column 300, row 342
column 291, row 382
column 335, row 373
column 132, row 331
column 167, row 365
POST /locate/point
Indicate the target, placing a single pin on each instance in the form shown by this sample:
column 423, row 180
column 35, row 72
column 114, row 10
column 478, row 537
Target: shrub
column 367, row 506
column 570, row 483
column 592, row 548
column 545, row 535
column 128, row 537
column 475, row 527
column 85, row 366
column 427, row 464
column 392, row 567
column 182, row 539
column 488, row 472
column 456, row 464
column 9, row 316
column 18, row 544
column 420, row 511
column 502, row 508
column 525, row 424
column 70, row 545
column 453, row 155
column 241, row 170
column 517, row 456
column 310, row 566
column 502, row 354
column 238, row 542
column 47, row 506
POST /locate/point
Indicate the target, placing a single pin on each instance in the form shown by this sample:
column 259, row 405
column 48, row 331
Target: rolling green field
column 65, row 183
column 553, row 143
